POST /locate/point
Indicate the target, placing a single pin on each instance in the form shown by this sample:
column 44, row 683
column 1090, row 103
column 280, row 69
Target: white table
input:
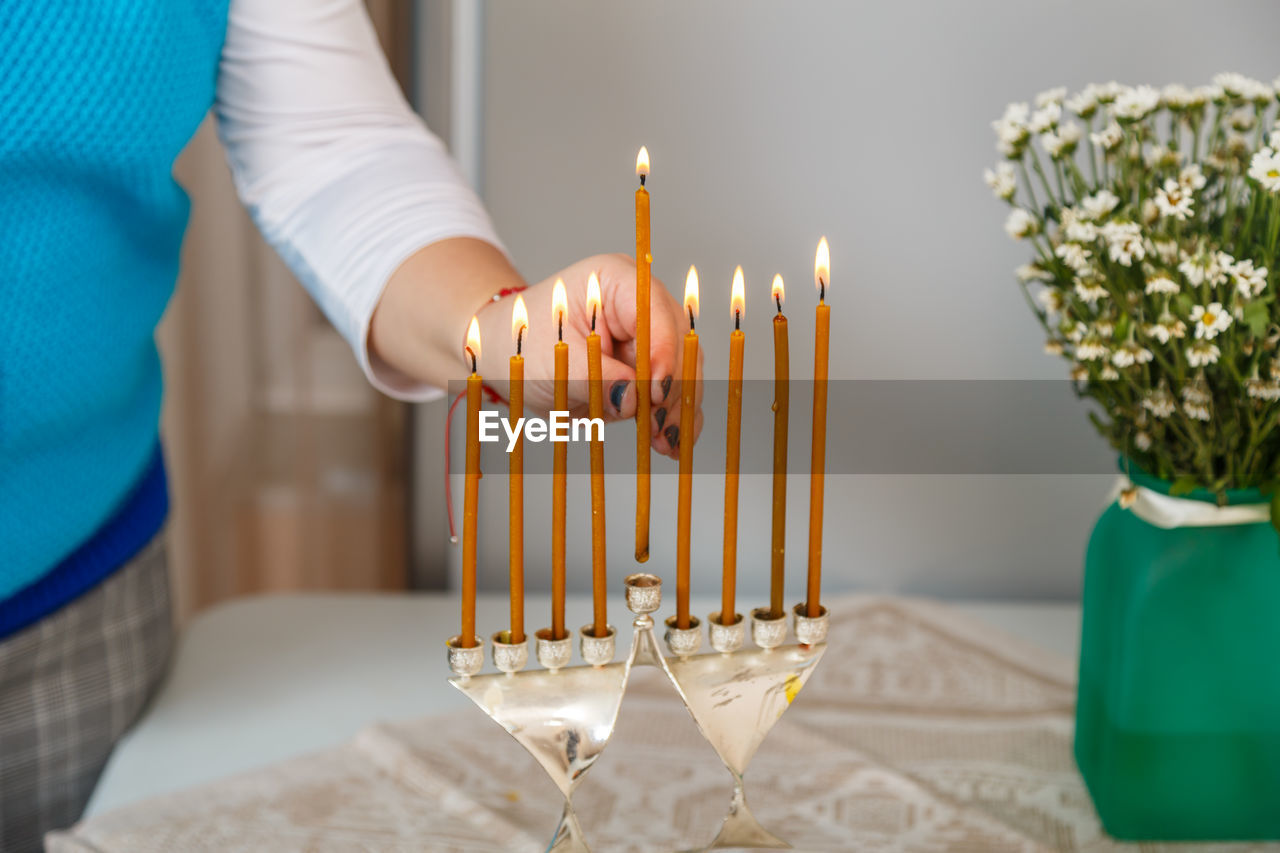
column 262, row 679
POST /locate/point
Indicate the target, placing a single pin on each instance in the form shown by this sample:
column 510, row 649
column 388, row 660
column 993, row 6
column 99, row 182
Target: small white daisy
column 1263, row 389
column 1166, row 328
column 1235, row 84
column 1079, row 373
column 1219, row 269
column 1020, row 224
column 1080, row 231
column 1202, row 354
column 1210, row 319
column 1108, row 373
column 1174, row 201
column 1165, row 250
column 1192, row 178
column 1207, row 94
column 1061, row 142
column 1161, row 284
column 1002, row 180
column 1131, row 354
column 1159, row 403
column 1142, row 440
column 1091, row 349
column 1051, row 96
column 1136, row 103
column 1248, row 281
column 1090, row 292
column 1084, row 104
column 1073, row 255
column 1045, row 118
column 1053, row 347
column 1195, row 402
column 1242, row 119
column 1099, row 204
column 1033, row 272
column 1011, row 129
column 1196, row 411
column 1109, row 138
column 1177, row 97
column 1051, row 300
column 1109, row 91
column 1264, row 168
column 1124, row 242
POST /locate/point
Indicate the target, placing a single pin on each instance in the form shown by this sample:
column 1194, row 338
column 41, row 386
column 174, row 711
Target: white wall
column 769, row 124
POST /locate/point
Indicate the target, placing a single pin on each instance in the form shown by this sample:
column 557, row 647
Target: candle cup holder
column 810, row 630
column 596, row 651
column 565, row 715
column 768, row 631
column 726, row 639
column 509, row 657
column 552, row 653
column 465, row 661
column 683, row 642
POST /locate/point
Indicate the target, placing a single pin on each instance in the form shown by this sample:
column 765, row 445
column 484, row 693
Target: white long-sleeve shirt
column 340, row 175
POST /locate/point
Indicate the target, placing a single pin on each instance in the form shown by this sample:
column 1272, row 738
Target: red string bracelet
column 494, row 397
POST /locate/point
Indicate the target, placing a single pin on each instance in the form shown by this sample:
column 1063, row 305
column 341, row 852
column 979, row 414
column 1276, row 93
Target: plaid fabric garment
column 70, row 685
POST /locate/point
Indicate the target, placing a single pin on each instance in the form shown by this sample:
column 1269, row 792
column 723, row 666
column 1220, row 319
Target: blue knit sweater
column 96, row 101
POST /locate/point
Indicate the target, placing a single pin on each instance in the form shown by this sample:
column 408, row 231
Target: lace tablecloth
column 920, row 731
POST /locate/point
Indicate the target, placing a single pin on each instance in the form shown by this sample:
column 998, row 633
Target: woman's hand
column 418, row 331
column 616, row 325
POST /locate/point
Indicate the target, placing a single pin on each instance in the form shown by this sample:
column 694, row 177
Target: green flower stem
column 1035, row 164
column 1026, row 180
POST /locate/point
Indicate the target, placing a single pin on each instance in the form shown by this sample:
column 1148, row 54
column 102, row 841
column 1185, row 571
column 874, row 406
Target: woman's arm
column 346, row 182
column 372, row 215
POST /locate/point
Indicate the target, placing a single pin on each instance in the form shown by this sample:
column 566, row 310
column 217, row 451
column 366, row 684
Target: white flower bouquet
column 1153, row 217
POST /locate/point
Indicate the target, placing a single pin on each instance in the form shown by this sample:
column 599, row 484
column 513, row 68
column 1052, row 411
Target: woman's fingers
column 618, row 282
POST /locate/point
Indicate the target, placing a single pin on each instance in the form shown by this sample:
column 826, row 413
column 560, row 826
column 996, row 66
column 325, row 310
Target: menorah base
column 565, row 715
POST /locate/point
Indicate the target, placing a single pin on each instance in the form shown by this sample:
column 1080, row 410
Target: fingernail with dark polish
column 673, row 436
column 666, row 387
column 660, row 416
column 616, row 393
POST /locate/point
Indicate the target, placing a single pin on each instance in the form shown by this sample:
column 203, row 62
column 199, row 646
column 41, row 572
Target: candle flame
column 822, row 268
column 691, row 293
column 642, row 162
column 778, row 293
column 519, row 321
column 473, row 342
column 738, row 296
column 559, row 302
column 593, row 297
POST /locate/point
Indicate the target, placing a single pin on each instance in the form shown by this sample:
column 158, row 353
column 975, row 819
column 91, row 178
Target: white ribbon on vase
column 1168, row 512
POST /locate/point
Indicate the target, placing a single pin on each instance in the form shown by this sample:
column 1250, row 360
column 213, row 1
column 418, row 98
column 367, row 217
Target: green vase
column 1178, row 710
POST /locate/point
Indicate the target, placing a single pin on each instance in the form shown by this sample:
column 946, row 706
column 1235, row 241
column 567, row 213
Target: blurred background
column 769, row 124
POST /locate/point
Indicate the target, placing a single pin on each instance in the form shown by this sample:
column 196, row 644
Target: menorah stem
column 568, row 837
column 741, row 829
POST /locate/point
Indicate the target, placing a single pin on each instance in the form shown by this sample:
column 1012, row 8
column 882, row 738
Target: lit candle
column 688, row 398
column 515, row 473
column 559, row 309
column 781, row 405
column 733, row 453
column 471, row 503
column 817, row 469
column 595, row 409
column 643, row 261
